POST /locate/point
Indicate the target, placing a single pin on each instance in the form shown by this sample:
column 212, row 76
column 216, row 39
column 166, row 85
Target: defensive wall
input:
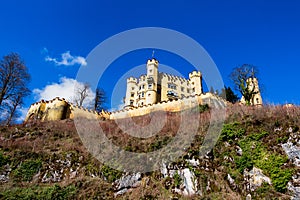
column 59, row 109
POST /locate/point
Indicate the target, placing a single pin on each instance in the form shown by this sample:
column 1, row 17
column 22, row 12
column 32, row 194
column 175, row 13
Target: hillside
column 256, row 157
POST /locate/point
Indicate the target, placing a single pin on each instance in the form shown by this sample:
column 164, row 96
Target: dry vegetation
column 33, row 148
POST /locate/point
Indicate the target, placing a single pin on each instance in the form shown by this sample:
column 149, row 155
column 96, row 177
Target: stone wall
column 59, row 109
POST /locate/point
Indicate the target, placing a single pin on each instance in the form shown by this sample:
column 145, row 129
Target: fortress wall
column 170, row 106
column 79, row 112
column 58, row 109
column 33, row 110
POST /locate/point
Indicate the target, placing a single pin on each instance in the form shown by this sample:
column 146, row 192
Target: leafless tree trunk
column 81, row 94
column 14, row 78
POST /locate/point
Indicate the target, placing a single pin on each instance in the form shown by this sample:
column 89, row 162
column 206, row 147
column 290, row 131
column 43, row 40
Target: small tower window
column 257, row 100
column 132, row 94
column 188, row 90
column 193, row 89
column 149, row 86
column 132, row 88
column 150, row 70
column 131, row 102
column 142, row 94
column 182, row 89
column 143, row 86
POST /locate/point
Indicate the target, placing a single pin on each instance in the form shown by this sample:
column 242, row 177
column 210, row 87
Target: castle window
column 140, row 88
column 182, row 89
column 143, row 86
column 172, row 86
column 142, row 94
column 149, row 86
column 150, row 70
column 132, row 94
column 257, row 101
column 131, row 102
column 193, row 89
column 188, row 90
column 132, row 88
column 142, row 103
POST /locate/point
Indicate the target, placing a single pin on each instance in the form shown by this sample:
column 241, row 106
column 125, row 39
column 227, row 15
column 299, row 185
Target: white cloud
column 66, row 88
column 67, row 59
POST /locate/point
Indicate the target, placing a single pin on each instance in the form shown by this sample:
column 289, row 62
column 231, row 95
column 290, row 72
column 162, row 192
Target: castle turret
column 152, row 81
column 196, row 82
column 256, row 99
column 131, row 92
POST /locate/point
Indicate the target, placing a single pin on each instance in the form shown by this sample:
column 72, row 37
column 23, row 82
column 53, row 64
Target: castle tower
column 131, row 92
column 195, row 82
column 152, row 80
column 256, row 99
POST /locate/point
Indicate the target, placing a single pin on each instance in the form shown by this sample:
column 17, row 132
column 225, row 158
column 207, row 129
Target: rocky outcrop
column 127, row 182
column 255, row 178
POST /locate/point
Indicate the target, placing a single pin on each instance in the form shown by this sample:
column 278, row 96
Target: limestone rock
column 127, row 182
column 255, row 178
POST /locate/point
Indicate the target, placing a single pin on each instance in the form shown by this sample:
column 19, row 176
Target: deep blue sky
column 263, row 33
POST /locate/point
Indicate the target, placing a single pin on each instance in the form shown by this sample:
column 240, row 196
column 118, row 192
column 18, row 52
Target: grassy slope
column 33, row 149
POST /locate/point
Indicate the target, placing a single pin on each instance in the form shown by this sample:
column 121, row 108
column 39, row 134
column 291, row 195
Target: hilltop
column 256, row 155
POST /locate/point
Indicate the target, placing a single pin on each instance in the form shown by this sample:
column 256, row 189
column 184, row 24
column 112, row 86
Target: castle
column 157, row 87
column 152, row 92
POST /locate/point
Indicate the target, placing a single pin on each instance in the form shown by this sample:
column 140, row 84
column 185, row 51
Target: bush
column 52, row 192
column 255, row 154
column 3, row 160
column 27, row 169
column 177, row 180
column 110, row 174
column 231, row 131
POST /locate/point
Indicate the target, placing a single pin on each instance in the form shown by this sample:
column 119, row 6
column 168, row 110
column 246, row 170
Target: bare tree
column 99, row 100
column 81, row 94
column 14, row 78
column 244, row 78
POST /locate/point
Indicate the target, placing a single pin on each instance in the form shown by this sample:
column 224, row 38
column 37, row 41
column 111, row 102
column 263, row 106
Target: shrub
column 177, row 180
column 3, row 160
column 231, row 132
column 110, row 174
column 52, row 192
column 27, row 169
column 255, row 154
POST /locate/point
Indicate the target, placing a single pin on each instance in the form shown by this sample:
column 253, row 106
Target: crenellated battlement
column 194, row 74
column 59, row 108
column 152, row 61
column 132, row 80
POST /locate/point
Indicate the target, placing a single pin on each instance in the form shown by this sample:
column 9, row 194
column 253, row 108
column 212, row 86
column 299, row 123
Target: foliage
column 231, row 131
column 27, row 169
column 243, row 78
column 3, row 160
column 99, row 100
column 229, row 95
column 177, row 180
column 159, row 143
column 52, row 192
column 272, row 164
column 110, row 174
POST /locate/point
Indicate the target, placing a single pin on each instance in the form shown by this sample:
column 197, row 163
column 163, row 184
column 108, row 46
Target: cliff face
column 257, row 156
